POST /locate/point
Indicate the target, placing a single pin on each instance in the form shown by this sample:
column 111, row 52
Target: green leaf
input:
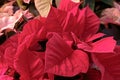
column 91, row 3
column 109, row 2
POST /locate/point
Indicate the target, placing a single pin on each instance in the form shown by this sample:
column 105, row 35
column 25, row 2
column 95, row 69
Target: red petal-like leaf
column 33, row 26
column 29, row 63
column 91, row 38
column 104, row 45
column 108, row 64
column 11, row 49
column 62, row 60
column 35, row 38
column 84, row 22
column 5, row 77
column 100, row 46
column 8, row 50
column 91, row 23
column 53, row 22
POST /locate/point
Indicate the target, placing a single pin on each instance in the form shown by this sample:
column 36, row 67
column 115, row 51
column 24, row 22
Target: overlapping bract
column 59, row 45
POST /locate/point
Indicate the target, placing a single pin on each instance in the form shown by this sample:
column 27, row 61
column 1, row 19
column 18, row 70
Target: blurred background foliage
column 98, row 5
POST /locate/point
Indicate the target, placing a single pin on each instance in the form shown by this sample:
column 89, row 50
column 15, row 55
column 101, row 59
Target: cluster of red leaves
column 66, row 43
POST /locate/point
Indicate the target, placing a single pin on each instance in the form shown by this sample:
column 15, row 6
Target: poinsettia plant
column 62, row 43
